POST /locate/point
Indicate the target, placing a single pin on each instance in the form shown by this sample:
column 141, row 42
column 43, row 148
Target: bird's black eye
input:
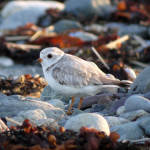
column 49, row 55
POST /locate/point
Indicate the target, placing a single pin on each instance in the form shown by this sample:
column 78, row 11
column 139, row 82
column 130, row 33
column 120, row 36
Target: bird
column 72, row 76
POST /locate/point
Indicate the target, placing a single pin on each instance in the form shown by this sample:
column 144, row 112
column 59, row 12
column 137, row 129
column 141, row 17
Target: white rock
column 114, row 121
column 90, row 120
column 17, row 13
column 136, row 102
column 57, row 103
column 85, row 36
column 120, row 110
column 133, row 115
column 6, row 62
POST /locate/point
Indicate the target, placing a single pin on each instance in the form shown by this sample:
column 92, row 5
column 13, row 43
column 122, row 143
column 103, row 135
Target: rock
column 56, row 103
column 114, row 121
column 142, row 83
column 90, row 120
column 12, row 105
column 33, row 115
column 65, row 25
column 18, row 13
column 18, row 70
column 120, row 110
column 131, row 73
column 89, row 8
column 136, row 102
column 77, row 112
column 48, row 93
column 133, row 115
column 84, row 36
column 124, row 29
column 144, row 123
column 6, row 62
column 128, row 131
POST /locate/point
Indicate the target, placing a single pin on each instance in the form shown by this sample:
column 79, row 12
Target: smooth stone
column 18, row 70
column 6, row 61
column 142, row 83
column 133, row 115
column 84, row 36
column 12, row 105
column 89, row 8
column 18, row 13
column 136, row 102
column 144, row 123
column 114, row 121
column 33, row 115
column 128, row 131
column 77, row 112
column 131, row 73
column 132, row 29
column 90, row 120
column 48, row 93
column 65, row 25
column 56, row 103
column 120, row 110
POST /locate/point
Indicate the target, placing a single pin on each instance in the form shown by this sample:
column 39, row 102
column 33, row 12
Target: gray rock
column 48, row 93
column 114, row 121
column 84, row 36
column 33, row 115
column 133, row 115
column 77, row 112
column 6, row 61
column 56, row 103
column 144, row 123
column 120, row 110
column 128, row 131
column 18, row 70
column 136, row 102
column 12, row 105
column 89, row 8
column 65, row 25
column 18, row 13
column 90, row 120
column 142, row 83
column 132, row 29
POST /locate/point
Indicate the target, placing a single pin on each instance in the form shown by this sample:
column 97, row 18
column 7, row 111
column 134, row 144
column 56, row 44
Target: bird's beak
column 39, row 60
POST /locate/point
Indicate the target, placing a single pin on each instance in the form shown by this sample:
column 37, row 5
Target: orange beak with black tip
column 39, row 60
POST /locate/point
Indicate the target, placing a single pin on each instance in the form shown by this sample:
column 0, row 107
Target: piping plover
column 73, row 76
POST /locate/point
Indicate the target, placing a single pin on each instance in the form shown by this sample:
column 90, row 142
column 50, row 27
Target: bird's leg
column 70, row 107
column 80, row 103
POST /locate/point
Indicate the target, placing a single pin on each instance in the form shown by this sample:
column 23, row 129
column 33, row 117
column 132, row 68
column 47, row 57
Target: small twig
column 114, row 44
column 140, row 64
column 16, row 38
column 13, row 121
column 100, row 58
column 3, row 126
column 140, row 140
column 22, row 46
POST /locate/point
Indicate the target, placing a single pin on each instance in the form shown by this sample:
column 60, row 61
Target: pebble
column 6, row 62
column 136, row 102
column 48, row 93
column 90, row 120
column 65, row 25
column 133, row 115
column 128, row 131
column 114, row 121
column 142, row 83
column 120, row 110
column 56, row 103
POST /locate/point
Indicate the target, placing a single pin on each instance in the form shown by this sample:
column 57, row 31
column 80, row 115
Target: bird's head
column 50, row 56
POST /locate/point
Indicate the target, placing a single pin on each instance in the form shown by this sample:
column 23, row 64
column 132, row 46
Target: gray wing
column 71, row 70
